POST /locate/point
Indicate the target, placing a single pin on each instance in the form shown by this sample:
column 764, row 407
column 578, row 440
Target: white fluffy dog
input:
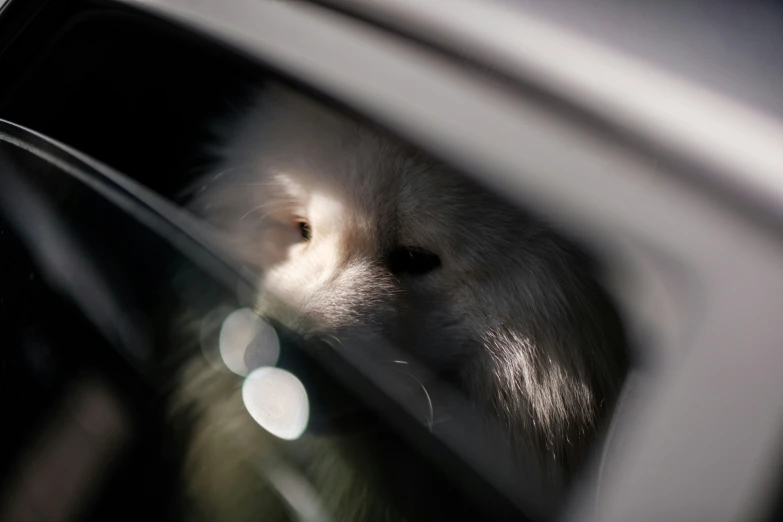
column 351, row 229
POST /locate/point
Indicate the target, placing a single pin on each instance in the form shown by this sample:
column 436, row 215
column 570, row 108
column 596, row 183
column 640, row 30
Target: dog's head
column 351, row 228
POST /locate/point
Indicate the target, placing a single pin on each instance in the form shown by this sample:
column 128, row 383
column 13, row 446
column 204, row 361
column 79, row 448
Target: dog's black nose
column 412, row 261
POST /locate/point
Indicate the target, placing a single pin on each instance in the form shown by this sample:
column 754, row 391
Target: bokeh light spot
column 247, row 342
column 277, row 401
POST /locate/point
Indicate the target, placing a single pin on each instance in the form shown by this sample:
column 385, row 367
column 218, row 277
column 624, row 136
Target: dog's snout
column 412, row 261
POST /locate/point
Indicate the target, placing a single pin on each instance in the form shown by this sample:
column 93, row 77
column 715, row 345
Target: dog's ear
column 551, row 363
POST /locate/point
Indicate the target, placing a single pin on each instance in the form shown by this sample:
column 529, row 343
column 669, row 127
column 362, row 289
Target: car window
column 396, row 381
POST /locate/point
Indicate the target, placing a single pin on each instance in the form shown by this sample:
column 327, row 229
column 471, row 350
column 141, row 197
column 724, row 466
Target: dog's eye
column 412, row 261
column 305, row 230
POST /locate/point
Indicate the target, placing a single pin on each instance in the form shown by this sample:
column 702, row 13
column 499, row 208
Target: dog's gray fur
column 513, row 314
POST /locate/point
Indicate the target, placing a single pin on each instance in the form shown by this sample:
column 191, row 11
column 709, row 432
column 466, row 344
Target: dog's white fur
column 512, row 313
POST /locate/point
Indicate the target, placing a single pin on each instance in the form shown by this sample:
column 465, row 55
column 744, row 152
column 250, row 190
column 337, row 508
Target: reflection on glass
column 277, row 400
column 247, row 342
